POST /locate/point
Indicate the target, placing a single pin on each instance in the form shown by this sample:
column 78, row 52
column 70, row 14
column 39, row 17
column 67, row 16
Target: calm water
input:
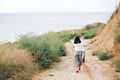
column 11, row 24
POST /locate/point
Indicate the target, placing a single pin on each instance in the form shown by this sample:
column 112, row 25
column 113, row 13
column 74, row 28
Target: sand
column 92, row 69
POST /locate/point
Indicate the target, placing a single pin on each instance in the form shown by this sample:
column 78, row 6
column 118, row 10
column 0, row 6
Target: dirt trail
column 92, row 69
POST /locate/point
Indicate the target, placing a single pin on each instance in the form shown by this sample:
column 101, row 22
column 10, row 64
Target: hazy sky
column 58, row 5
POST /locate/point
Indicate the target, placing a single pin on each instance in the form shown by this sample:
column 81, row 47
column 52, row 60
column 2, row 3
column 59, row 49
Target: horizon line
column 59, row 12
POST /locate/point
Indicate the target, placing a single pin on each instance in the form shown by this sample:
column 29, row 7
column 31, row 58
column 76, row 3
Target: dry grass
column 17, row 57
column 21, row 59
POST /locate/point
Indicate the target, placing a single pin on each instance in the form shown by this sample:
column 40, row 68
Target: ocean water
column 14, row 24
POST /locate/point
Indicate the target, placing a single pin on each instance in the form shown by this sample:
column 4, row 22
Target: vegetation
column 45, row 49
column 91, row 30
column 103, row 55
column 88, row 27
column 90, row 33
column 89, row 36
column 6, row 70
column 21, row 57
column 117, row 65
column 12, row 61
column 67, row 36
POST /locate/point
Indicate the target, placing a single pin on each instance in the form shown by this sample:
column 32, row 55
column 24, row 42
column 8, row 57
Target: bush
column 82, row 33
column 62, row 51
column 91, row 31
column 103, row 55
column 117, row 65
column 67, row 36
column 88, row 27
column 45, row 49
column 89, row 36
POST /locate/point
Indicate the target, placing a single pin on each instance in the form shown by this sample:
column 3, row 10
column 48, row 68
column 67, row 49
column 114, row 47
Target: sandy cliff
column 105, row 39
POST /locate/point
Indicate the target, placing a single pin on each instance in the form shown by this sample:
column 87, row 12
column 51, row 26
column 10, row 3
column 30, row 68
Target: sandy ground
column 92, row 69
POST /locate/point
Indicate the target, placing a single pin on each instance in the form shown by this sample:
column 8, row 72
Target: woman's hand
column 83, row 53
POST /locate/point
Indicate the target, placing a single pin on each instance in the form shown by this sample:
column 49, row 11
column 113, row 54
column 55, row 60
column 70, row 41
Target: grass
column 117, row 65
column 6, row 70
column 103, row 55
column 45, row 49
column 14, row 61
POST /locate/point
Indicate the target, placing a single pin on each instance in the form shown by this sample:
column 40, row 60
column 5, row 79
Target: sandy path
column 92, row 69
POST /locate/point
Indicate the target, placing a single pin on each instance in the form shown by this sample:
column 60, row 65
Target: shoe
column 77, row 71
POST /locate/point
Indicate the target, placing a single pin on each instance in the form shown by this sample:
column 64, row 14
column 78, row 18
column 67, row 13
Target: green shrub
column 117, row 65
column 45, row 49
column 62, row 51
column 67, row 36
column 90, row 31
column 82, row 33
column 89, row 36
column 103, row 55
column 88, row 27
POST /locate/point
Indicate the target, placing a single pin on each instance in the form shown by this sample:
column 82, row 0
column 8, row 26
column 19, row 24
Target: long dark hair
column 77, row 40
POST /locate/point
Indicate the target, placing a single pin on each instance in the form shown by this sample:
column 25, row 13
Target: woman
column 79, row 51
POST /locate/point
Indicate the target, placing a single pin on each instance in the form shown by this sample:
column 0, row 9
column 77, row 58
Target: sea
column 14, row 24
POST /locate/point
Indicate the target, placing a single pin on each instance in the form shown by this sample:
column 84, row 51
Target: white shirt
column 79, row 47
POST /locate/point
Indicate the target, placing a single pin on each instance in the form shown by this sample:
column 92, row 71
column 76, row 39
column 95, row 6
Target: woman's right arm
column 83, row 51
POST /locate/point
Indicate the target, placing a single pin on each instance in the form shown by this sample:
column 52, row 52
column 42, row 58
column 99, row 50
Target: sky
column 16, row 6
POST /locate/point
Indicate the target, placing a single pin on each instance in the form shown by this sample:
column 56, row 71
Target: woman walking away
column 79, row 51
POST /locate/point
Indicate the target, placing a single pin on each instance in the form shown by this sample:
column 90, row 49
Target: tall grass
column 13, row 62
column 6, row 70
column 45, row 49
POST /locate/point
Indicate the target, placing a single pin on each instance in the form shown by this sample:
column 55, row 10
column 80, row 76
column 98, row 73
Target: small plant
column 51, row 75
column 117, row 65
column 103, row 55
